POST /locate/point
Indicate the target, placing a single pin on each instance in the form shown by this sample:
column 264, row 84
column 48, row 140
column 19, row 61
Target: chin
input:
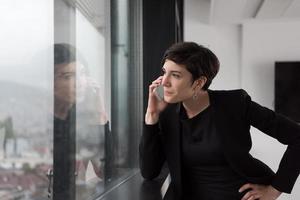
column 170, row 100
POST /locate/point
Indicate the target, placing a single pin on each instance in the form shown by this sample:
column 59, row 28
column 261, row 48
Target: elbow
column 148, row 175
column 148, row 172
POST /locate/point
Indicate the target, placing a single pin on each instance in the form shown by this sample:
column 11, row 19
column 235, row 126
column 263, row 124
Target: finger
column 157, row 81
column 251, row 198
column 152, row 89
column 254, row 197
column 249, row 195
column 246, row 187
column 160, row 78
column 153, row 86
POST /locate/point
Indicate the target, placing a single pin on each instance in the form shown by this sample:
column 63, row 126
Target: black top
column 206, row 173
column 70, row 137
column 233, row 114
column 64, row 158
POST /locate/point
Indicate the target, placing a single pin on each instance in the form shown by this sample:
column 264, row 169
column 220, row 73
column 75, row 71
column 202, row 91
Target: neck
column 195, row 106
column 61, row 109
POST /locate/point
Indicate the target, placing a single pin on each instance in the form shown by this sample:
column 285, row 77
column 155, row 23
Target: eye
column 68, row 76
column 163, row 71
column 176, row 76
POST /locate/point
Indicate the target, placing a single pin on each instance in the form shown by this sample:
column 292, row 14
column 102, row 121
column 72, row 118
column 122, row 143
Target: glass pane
column 106, row 139
column 92, row 117
column 26, row 98
column 82, row 145
column 56, row 99
column 65, row 72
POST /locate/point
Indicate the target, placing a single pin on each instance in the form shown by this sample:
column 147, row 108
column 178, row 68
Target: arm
column 285, row 131
column 150, row 152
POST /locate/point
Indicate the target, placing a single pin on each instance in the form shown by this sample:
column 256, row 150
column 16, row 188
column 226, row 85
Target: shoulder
column 229, row 94
column 235, row 98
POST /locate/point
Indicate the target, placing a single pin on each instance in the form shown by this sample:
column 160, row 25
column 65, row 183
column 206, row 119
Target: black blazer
column 234, row 112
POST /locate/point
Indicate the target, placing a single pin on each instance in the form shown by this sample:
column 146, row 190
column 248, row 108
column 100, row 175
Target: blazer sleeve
column 285, row 131
column 151, row 154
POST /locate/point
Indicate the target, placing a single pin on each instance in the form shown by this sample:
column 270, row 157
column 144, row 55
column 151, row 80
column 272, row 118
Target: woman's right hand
column 155, row 106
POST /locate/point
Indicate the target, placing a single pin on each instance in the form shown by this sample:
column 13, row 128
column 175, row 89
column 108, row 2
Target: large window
column 70, row 100
column 26, row 98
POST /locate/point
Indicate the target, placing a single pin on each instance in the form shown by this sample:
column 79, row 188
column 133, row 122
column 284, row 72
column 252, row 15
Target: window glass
column 26, row 98
column 68, row 98
column 93, row 136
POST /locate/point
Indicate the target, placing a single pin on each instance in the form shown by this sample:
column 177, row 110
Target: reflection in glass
column 81, row 121
column 94, row 145
column 79, row 116
column 55, row 100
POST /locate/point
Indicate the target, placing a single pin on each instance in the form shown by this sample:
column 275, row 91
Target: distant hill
column 28, row 106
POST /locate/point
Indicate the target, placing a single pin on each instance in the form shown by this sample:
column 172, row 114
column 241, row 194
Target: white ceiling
column 235, row 11
column 208, row 11
column 94, row 10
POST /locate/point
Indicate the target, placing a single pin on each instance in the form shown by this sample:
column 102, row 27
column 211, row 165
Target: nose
column 165, row 81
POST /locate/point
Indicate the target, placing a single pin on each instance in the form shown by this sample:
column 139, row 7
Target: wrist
column 151, row 118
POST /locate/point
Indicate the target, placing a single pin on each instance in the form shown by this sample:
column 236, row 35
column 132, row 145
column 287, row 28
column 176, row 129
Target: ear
column 200, row 82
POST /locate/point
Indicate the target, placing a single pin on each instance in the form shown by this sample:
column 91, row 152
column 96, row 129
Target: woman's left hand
column 261, row 192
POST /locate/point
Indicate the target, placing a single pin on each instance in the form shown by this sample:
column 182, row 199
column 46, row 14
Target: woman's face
column 177, row 82
column 65, row 83
column 70, row 82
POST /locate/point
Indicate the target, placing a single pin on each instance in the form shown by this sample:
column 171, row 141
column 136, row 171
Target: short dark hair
column 198, row 60
column 64, row 53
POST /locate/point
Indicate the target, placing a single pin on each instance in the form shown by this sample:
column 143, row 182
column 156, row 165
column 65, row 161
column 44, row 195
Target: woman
column 204, row 137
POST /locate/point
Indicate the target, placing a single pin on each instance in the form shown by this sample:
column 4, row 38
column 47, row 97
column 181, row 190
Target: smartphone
column 159, row 92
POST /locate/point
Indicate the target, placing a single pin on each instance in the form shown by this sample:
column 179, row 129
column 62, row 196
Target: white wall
column 224, row 41
column 265, row 42
column 247, row 55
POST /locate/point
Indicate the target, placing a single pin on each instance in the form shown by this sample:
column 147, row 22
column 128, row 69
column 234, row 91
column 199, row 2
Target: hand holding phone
column 156, row 103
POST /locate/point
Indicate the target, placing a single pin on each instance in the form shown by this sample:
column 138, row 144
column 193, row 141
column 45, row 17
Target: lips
column 167, row 93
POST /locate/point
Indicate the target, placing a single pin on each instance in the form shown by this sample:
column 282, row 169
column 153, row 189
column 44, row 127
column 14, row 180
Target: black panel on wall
column 162, row 26
column 287, row 89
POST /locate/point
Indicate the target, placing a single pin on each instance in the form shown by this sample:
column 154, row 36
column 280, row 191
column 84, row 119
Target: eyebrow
column 173, row 71
column 176, row 72
column 67, row 73
column 63, row 73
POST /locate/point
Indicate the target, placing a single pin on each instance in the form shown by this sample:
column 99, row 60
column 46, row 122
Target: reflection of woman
column 88, row 118
column 204, row 137
column 67, row 89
